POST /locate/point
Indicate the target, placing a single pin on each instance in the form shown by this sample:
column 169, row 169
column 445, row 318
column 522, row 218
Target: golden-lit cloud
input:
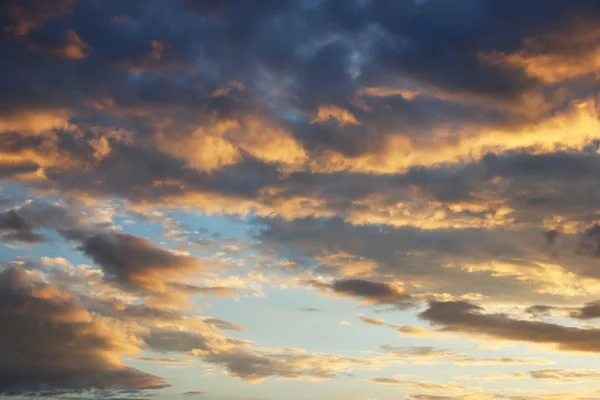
column 371, row 320
column 557, row 56
column 423, row 385
column 34, row 122
column 70, row 348
column 541, row 275
column 337, row 114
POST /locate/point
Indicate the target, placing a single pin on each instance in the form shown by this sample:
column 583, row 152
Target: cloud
column 156, row 113
column 379, row 162
column 371, row 321
column 224, row 325
column 368, row 291
column 422, row 385
column 252, row 364
column 137, row 263
column 566, row 376
column 50, row 343
column 413, row 330
column 464, row 317
column 419, row 352
column 161, row 360
column 372, row 292
column 69, row 219
column 588, row 311
column 533, row 395
column 501, row 361
column 13, row 227
column 13, row 170
column 214, row 291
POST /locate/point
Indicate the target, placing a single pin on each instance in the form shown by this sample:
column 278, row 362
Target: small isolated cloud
column 413, row 330
column 419, row 352
column 467, row 361
column 369, row 291
column 370, row 320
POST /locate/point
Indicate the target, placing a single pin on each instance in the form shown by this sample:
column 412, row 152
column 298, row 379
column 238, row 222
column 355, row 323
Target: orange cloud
column 336, row 114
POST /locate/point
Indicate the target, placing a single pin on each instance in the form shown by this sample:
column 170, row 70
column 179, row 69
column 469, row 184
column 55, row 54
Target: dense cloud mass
column 180, row 178
column 50, row 343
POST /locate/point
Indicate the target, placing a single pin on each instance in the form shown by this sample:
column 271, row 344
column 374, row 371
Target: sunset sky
column 300, row 199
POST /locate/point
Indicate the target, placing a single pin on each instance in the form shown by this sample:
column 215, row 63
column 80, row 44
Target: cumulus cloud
column 51, row 343
column 136, row 262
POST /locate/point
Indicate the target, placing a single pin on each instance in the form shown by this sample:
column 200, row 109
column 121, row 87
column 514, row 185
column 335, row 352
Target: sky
column 300, row 199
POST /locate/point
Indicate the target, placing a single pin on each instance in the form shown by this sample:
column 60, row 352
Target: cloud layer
column 436, row 161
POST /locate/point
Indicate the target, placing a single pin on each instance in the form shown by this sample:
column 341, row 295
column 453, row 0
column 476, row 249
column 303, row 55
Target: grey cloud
column 9, row 170
column 467, row 318
column 137, row 312
column 13, row 227
column 589, row 243
column 551, row 236
column 409, row 254
column 165, row 340
column 135, row 262
column 588, row 311
column 377, row 292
